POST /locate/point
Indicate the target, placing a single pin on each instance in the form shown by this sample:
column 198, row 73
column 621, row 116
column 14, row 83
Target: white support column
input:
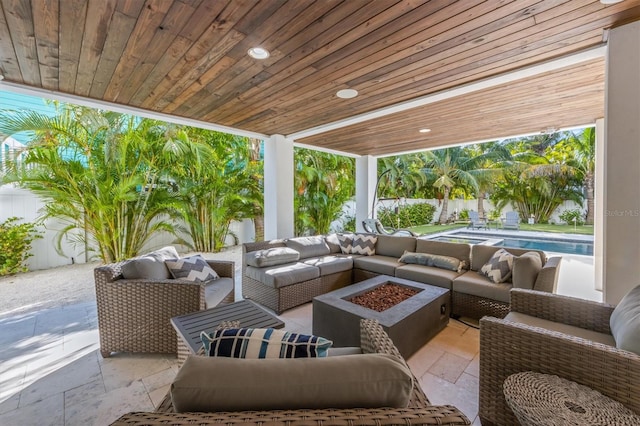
column 599, row 213
column 621, row 251
column 366, row 175
column 278, row 187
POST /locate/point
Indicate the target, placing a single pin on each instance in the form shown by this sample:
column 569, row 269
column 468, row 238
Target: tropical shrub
column 568, row 216
column 407, row 216
column 15, row 245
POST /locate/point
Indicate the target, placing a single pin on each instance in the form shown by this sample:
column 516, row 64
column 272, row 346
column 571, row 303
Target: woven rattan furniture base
column 245, row 312
column 544, row 400
column 409, row 324
column 468, row 305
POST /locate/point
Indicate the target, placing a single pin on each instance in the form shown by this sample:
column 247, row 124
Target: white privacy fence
column 15, row 202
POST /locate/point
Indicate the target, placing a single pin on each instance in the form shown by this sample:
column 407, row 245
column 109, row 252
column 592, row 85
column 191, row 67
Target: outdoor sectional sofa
column 282, row 274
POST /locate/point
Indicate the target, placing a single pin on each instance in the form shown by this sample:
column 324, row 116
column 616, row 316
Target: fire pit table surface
column 410, row 324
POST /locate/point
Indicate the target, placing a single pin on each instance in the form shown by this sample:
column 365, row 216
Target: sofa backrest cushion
column 394, row 246
column 309, row 246
column 625, row 322
column 526, row 268
column 458, row 250
column 151, row 265
column 333, row 242
column 271, row 257
column 480, row 254
column 210, row 384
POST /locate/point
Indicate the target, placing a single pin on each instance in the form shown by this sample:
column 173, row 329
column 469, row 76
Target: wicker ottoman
column 545, row 400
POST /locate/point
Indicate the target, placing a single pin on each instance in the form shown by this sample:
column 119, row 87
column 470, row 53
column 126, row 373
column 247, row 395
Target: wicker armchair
column 373, row 340
column 511, row 347
column 133, row 315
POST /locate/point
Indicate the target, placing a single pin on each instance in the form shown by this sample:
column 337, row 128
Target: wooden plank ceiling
column 188, row 58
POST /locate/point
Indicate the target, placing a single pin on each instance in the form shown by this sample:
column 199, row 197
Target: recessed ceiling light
column 347, row 93
column 258, row 53
column 610, row 1
column 424, row 130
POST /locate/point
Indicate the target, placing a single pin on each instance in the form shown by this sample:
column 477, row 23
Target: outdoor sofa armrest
column 432, row 415
column 573, row 311
column 510, row 347
column 547, row 279
column 224, row 268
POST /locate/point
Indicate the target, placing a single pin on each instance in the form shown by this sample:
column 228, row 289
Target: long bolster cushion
column 212, row 384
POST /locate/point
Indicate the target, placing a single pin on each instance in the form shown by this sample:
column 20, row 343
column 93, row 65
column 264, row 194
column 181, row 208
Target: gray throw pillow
column 193, row 268
column 346, row 243
column 498, row 268
column 150, row 266
column 364, row 244
column 309, row 246
column 271, row 257
column 625, row 322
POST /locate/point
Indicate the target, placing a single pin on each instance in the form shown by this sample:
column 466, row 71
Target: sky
column 14, row 101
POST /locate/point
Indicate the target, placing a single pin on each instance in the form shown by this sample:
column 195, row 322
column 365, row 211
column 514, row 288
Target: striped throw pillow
column 263, row 343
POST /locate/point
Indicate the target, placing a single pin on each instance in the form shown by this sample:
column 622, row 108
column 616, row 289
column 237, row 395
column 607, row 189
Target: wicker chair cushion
column 150, row 266
column 309, row 246
column 192, row 268
column 499, row 267
column 211, row 384
column 216, row 291
column 569, row 330
column 263, row 343
column 625, row 322
column 271, row 257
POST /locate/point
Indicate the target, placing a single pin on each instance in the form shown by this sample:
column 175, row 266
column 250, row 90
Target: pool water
column 568, row 247
column 548, row 245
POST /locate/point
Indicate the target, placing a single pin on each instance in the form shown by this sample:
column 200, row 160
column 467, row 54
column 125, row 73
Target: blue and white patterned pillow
column 364, row 244
column 263, row 343
column 193, row 268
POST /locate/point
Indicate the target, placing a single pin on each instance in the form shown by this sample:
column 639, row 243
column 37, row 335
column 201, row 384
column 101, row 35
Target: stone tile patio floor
column 51, row 371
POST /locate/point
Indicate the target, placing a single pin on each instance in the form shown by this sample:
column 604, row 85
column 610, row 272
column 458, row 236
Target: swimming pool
column 584, row 248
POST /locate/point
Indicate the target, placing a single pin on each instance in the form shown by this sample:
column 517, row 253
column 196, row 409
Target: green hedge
column 15, row 245
column 407, row 216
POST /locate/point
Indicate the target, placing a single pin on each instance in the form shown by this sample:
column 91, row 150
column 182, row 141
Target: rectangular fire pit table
column 410, row 323
column 189, row 326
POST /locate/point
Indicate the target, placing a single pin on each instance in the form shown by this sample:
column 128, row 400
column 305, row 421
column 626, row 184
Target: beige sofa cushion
column 283, row 275
column 471, row 282
column 309, row 246
column 212, row 384
column 331, row 264
column 458, row 250
column 394, row 246
column 271, row 257
column 384, row 265
column 427, row 275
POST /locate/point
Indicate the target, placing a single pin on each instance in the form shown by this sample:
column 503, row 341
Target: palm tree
column 491, row 159
column 324, row 183
column 97, row 171
column 215, row 188
column 582, row 156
